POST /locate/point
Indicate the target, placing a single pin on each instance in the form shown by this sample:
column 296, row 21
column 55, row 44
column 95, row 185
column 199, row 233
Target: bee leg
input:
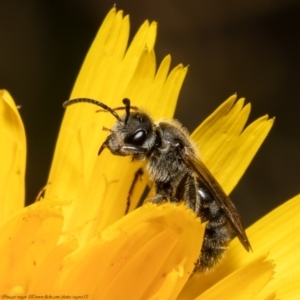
column 144, row 196
column 138, row 174
column 158, row 199
column 191, row 195
column 134, row 149
column 103, row 146
column 41, row 193
column 163, row 192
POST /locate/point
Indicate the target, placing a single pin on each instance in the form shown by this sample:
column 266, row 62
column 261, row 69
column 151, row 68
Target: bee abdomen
column 218, row 232
column 214, row 245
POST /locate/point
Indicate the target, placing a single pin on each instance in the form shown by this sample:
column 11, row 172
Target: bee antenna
column 126, row 102
column 98, row 103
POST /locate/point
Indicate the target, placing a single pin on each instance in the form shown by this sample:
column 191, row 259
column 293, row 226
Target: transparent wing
column 220, row 196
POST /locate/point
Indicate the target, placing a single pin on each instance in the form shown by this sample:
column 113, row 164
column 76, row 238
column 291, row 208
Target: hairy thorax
column 164, row 163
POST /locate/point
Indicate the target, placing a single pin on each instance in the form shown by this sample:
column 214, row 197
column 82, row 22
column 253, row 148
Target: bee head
column 132, row 133
column 135, row 129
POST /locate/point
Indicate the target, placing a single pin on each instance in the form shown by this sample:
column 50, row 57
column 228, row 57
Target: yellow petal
column 225, row 146
column 270, row 297
column 105, row 54
column 25, row 240
column 150, row 251
column 245, row 283
column 277, row 234
column 81, row 130
column 13, row 158
column 47, row 274
column 170, row 93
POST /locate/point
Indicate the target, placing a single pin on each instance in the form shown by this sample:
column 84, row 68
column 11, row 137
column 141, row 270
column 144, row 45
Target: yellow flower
column 76, row 242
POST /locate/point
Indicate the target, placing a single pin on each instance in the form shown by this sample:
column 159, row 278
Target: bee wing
column 220, row 196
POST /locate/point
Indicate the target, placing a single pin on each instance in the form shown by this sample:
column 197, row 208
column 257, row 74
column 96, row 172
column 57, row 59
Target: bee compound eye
column 137, row 139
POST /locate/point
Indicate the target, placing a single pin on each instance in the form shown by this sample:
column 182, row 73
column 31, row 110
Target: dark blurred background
column 248, row 47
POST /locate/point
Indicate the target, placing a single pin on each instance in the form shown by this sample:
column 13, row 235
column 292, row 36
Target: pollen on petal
column 13, row 156
column 24, row 242
column 46, row 277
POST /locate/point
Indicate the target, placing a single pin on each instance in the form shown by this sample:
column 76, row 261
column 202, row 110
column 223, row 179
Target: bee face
column 135, row 137
column 177, row 173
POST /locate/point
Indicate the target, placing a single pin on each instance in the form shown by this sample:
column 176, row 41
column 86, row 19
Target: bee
column 177, row 173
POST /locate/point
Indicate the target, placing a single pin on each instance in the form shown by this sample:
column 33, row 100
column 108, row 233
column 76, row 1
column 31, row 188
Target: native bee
column 177, row 173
